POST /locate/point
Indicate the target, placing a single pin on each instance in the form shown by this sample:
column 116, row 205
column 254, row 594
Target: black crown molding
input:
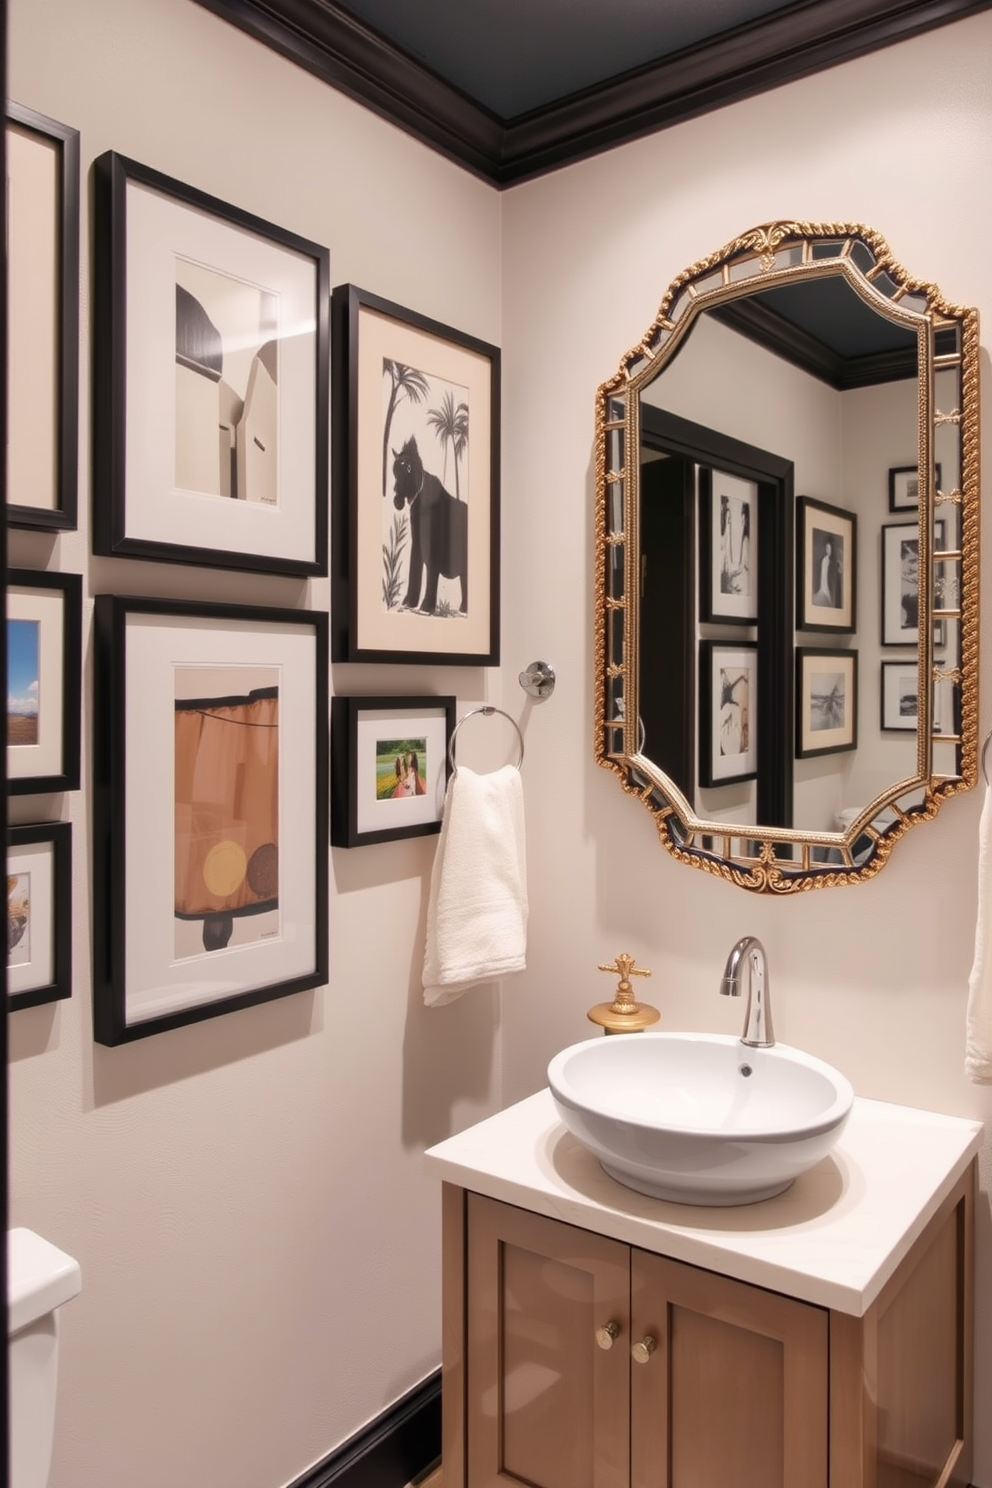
column 792, row 43
column 798, row 346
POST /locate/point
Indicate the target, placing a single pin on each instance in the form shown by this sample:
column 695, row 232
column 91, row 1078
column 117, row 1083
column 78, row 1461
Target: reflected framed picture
column 901, row 583
column 904, row 487
column 212, row 359
column 210, row 810
column 899, row 694
column 44, row 626
column 415, row 487
column 728, row 548
column 389, row 767
column 39, row 913
column 826, row 567
column 42, row 320
column 826, row 701
column 728, row 717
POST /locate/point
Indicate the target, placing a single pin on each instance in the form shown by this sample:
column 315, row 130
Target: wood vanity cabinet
column 574, row 1360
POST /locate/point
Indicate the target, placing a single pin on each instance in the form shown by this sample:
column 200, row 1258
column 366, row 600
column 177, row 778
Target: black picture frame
column 170, row 263
column 728, row 712
column 43, row 290
column 826, row 701
column 826, row 567
column 392, row 599
column 381, row 794
column 898, row 696
column 728, row 548
column 43, row 711
column 904, row 492
column 899, row 590
column 171, row 678
column 39, row 896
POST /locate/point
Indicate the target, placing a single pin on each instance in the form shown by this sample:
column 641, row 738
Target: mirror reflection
column 784, row 608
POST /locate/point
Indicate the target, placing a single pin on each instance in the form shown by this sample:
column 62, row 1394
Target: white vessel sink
column 699, row 1118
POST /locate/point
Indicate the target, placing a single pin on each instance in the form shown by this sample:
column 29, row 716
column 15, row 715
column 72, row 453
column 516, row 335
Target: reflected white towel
column 978, row 1044
column 477, row 911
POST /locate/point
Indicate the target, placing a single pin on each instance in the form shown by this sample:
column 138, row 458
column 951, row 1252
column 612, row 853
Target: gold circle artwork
column 224, row 868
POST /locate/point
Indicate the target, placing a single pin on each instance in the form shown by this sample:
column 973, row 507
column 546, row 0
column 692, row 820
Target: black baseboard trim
column 400, row 1445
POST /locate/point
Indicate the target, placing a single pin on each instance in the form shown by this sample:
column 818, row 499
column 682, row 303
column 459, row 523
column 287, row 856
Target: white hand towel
column 978, row 1044
column 477, row 910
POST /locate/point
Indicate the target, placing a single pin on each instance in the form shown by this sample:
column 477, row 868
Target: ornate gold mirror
column 787, row 558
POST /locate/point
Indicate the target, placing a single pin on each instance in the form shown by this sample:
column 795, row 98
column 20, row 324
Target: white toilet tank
column 39, row 1279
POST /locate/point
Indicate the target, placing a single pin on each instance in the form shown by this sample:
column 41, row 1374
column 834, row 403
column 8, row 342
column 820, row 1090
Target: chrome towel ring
column 488, row 709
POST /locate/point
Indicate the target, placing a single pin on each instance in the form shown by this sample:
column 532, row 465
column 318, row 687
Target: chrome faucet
column 749, row 953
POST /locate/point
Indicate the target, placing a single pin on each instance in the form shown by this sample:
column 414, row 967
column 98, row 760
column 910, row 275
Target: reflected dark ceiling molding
column 804, row 350
column 790, row 44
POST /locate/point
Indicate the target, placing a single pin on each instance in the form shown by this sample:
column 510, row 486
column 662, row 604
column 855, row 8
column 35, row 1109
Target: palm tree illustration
column 405, row 382
column 450, row 424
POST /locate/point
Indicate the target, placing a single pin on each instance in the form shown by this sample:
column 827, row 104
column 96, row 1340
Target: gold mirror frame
column 784, row 860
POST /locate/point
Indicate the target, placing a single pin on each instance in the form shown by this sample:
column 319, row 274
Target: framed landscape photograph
column 211, row 379
column 415, row 487
column 901, row 583
column 826, row 566
column 44, row 625
column 899, row 695
column 42, row 320
column 39, row 913
column 904, row 487
column 728, row 717
column 728, row 548
column 211, row 884
column 826, row 701
column 389, row 767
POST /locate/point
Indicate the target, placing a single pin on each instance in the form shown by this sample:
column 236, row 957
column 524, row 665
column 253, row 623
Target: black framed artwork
column 728, row 712
column 826, row 701
column 900, row 586
column 826, row 567
column 415, row 487
column 212, row 361
column 42, row 320
column 39, row 913
column 904, row 487
column 389, row 767
column 44, row 626
column 212, row 886
column 728, row 548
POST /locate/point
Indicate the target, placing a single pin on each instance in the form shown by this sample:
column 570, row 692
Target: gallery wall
column 259, row 1244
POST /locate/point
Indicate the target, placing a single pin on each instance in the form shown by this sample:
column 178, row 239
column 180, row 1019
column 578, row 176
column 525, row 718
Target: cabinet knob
column 641, row 1352
column 606, row 1335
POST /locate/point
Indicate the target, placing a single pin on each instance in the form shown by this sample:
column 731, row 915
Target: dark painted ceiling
column 516, row 55
column 511, row 89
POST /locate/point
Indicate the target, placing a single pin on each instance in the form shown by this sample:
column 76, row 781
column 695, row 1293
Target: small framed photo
column 415, row 487
column 389, row 767
column 904, row 487
column 728, row 700
column 899, row 694
column 39, row 913
column 826, row 701
column 211, row 887
column 42, row 320
column 826, row 567
column 901, row 583
column 728, row 548
column 211, row 390
column 44, row 624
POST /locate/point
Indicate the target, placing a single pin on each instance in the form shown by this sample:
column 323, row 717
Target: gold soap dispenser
column 623, row 1014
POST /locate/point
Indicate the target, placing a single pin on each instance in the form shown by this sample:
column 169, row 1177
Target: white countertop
column 834, row 1238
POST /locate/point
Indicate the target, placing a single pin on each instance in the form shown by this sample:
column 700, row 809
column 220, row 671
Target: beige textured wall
column 259, row 1244
column 872, row 978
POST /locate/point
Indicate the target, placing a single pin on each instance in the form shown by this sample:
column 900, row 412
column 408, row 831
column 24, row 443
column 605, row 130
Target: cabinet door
column 729, row 1383
column 547, row 1405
